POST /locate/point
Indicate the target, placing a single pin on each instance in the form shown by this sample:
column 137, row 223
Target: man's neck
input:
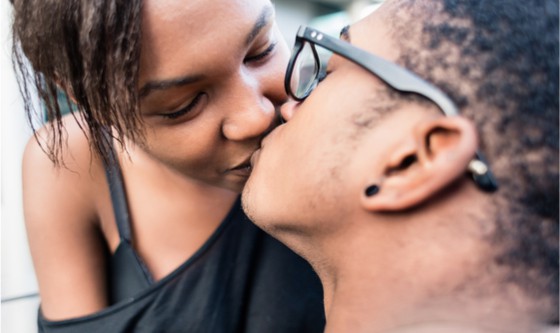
column 365, row 291
column 367, row 313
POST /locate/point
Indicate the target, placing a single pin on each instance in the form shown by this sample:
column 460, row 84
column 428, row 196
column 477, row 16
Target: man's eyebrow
column 262, row 21
column 345, row 33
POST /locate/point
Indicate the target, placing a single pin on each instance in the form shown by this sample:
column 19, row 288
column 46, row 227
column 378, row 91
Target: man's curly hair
column 498, row 60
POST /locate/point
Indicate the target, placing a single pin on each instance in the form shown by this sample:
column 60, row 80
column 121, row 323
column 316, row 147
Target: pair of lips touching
column 247, row 165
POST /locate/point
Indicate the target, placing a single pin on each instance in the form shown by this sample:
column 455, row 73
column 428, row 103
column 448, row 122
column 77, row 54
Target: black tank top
column 240, row 280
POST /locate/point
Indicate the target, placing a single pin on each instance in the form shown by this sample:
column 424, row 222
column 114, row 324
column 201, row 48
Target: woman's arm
column 64, row 236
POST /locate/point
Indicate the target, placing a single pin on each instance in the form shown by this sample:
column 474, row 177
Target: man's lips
column 257, row 153
column 246, row 167
column 255, row 157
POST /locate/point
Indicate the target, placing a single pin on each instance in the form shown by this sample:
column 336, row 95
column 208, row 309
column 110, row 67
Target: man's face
column 310, row 171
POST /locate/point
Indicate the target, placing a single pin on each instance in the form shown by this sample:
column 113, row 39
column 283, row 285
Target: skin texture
column 238, row 94
column 415, row 257
column 185, row 174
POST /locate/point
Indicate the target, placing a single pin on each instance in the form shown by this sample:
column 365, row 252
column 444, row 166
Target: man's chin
column 252, row 208
column 247, row 202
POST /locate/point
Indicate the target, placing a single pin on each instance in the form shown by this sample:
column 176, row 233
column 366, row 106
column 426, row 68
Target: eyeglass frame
column 395, row 76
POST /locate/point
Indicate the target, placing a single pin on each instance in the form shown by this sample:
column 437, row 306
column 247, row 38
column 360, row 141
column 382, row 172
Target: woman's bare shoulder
column 74, row 147
column 69, row 185
column 61, row 208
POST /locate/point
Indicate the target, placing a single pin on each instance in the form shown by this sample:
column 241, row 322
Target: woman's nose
column 288, row 110
column 251, row 115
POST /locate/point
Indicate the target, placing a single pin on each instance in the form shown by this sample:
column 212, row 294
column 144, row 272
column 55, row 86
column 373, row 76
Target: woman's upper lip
column 245, row 164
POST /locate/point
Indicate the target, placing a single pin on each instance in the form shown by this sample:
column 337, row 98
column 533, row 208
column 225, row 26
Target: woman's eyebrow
column 265, row 17
column 267, row 13
column 166, row 84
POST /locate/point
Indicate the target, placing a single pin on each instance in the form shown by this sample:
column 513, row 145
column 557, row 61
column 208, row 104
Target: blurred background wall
column 18, row 285
column 17, row 278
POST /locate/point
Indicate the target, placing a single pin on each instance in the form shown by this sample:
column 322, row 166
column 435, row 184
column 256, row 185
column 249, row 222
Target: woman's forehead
column 166, row 19
column 180, row 36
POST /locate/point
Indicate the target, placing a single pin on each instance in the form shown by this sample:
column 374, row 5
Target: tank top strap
column 116, row 187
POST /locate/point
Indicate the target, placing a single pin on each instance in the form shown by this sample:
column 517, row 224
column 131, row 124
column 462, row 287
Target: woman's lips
column 242, row 170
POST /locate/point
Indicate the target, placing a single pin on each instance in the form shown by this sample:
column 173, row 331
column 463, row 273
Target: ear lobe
column 434, row 156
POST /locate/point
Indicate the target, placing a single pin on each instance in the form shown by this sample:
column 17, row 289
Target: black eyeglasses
column 305, row 72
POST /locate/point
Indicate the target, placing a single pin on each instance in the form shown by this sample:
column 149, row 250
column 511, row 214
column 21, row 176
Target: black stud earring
column 372, row 190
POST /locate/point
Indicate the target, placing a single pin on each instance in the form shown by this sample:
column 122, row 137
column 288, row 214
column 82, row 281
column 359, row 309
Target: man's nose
column 288, row 110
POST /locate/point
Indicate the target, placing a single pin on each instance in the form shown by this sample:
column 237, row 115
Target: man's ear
column 434, row 155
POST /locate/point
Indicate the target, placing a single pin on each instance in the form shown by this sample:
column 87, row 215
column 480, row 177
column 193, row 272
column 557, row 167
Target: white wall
column 17, row 276
column 290, row 14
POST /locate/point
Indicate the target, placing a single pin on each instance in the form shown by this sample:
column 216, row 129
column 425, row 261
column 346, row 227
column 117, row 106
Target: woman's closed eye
column 191, row 108
column 261, row 56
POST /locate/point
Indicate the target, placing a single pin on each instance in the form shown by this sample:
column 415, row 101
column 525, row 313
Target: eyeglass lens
column 304, row 72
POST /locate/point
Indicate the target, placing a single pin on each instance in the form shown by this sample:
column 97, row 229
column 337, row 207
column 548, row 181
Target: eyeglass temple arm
column 405, row 81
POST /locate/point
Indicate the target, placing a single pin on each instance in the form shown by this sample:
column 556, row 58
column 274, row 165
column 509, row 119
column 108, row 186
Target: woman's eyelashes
column 189, row 108
column 193, row 105
column 262, row 55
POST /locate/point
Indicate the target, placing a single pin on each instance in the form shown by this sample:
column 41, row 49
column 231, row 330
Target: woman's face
column 211, row 74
